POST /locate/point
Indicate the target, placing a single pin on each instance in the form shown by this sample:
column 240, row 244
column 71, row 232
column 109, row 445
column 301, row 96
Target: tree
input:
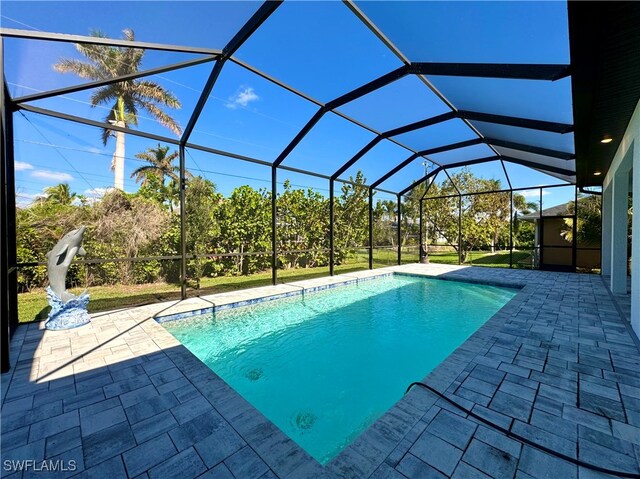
column 303, row 226
column 245, row 227
column 410, row 217
column 351, row 218
column 523, row 231
column 160, row 167
column 123, row 225
column 200, row 204
column 125, row 98
column 484, row 218
column 384, row 220
column 521, row 205
column 60, row 194
column 589, row 224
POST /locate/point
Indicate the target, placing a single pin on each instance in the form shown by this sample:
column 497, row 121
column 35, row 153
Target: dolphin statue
column 59, row 259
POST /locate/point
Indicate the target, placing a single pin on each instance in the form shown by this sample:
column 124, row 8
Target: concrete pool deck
column 122, row 398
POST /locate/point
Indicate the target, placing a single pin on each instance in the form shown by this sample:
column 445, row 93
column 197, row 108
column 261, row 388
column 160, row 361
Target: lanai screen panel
column 320, row 48
column 228, row 217
column 535, row 99
column 400, row 103
column 328, row 145
column 445, row 133
column 378, row 161
column 489, row 176
column 249, row 115
column 556, row 164
column 183, row 86
column 29, row 65
column 462, row 154
column 302, row 223
column 497, row 58
column 525, row 177
column 474, row 32
column 295, row 45
column 63, row 175
column 176, row 23
column 527, row 136
column 415, row 170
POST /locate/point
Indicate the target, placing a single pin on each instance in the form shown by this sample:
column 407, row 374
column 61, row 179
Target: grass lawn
column 482, row 258
column 33, row 306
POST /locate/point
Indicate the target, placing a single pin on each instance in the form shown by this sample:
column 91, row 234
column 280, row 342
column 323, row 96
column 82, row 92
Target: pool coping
column 165, row 318
column 370, row 449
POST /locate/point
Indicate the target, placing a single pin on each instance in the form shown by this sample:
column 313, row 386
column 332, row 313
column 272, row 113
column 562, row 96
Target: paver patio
column 122, row 398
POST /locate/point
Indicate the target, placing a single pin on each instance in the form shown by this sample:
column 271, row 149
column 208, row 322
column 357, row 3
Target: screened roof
column 327, row 88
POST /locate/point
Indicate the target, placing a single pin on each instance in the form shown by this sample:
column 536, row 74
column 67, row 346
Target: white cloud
column 21, row 166
column 27, row 196
column 242, row 97
column 96, row 192
column 52, row 175
column 532, row 193
column 93, row 195
column 26, row 199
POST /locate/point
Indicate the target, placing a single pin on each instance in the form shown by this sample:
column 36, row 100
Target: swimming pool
column 324, row 366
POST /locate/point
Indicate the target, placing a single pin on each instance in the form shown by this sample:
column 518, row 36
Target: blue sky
column 319, row 48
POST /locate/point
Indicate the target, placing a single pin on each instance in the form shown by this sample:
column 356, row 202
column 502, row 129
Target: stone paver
column 122, row 398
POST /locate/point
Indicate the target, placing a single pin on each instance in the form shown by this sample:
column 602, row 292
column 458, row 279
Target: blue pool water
column 325, row 366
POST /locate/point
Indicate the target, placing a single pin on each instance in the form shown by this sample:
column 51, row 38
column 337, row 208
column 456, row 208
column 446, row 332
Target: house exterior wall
column 625, row 165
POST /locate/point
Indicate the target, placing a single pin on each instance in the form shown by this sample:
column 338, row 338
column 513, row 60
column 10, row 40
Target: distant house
column 553, row 251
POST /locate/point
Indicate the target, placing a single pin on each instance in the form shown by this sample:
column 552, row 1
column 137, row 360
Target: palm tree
column 127, row 97
column 60, row 194
column 523, row 206
column 160, row 166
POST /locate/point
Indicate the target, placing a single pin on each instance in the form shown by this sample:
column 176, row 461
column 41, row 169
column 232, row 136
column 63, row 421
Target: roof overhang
column 605, row 69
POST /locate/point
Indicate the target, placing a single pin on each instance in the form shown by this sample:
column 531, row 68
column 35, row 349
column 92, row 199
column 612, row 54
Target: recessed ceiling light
column 606, row 139
column 597, row 173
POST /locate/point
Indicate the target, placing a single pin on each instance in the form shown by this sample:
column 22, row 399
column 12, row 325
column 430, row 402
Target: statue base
column 71, row 314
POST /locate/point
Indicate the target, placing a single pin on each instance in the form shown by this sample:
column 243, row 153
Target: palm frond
column 143, row 173
column 104, row 62
column 105, row 135
column 172, row 156
column 103, row 95
column 153, row 91
column 146, row 156
column 174, row 178
column 131, row 109
column 80, row 68
column 161, row 116
column 132, row 56
column 99, row 54
column 106, row 131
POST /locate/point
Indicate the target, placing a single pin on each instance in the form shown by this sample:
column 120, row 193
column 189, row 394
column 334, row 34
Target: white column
column 118, row 159
column 606, row 229
column 619, row 231
column 635, row 245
